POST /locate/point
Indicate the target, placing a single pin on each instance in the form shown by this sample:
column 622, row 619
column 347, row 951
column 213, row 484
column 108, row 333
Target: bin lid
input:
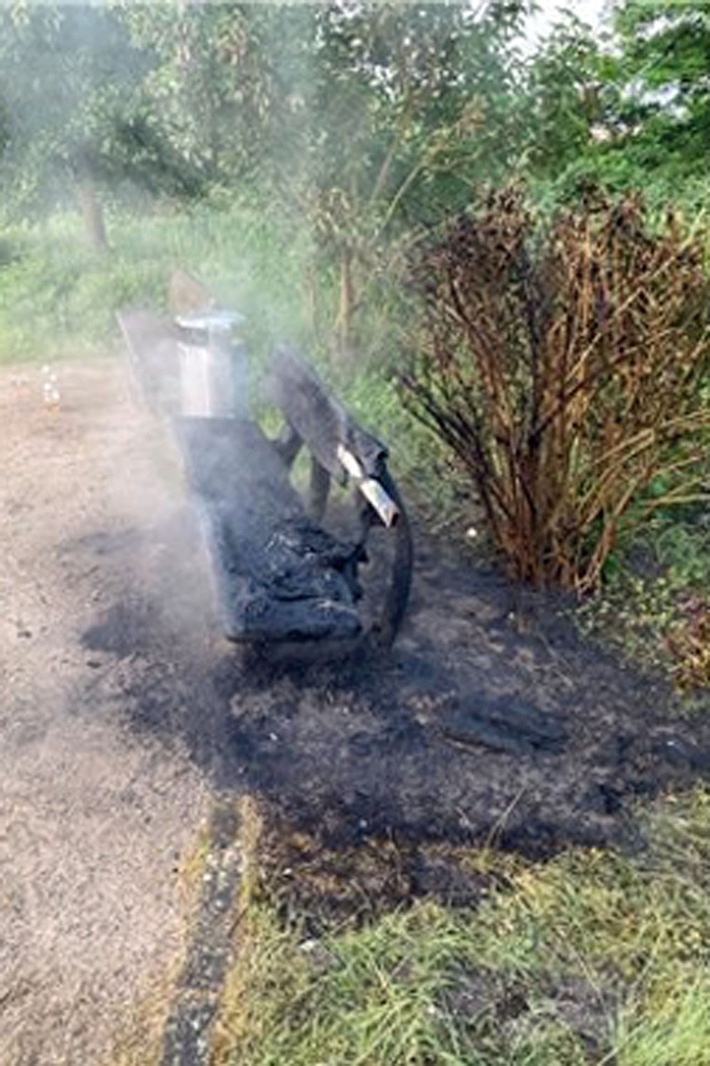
column 216, row 320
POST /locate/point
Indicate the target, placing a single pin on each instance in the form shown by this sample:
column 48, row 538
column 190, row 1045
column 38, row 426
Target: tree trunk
column 93, row 215
column 346, row 307
column 310, row 299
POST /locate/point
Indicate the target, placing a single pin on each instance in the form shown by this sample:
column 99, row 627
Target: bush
column 564, row 367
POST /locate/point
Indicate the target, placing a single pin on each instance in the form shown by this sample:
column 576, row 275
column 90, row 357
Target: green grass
column 654, row 604
column 59, row 297
column 593, row 957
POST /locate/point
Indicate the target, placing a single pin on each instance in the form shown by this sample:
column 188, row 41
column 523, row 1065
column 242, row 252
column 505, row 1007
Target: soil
column 125, row 714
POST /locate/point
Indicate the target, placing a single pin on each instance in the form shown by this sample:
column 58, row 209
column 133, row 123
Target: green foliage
column 67, row 84
column 365, row 121
column 209, row 86
column 563, row 369
column 624, row 110
column 564, row 100
column 666, row 60
column 371, row 119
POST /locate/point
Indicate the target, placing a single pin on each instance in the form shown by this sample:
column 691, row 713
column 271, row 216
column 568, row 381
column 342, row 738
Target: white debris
column 51, row 393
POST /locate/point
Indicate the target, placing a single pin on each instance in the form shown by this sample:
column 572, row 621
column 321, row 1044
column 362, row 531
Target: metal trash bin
column 214, row 379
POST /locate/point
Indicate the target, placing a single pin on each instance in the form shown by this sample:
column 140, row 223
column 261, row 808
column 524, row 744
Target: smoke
column 127, row 97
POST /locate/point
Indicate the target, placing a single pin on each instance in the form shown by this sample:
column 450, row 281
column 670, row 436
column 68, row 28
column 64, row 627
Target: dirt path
column 92, row 821
column 123, row 712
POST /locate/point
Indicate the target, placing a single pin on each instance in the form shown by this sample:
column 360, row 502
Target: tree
column 563, row 101
column 408, row 106
column 73, row 122
column 368, row 120
column 666, row 70
column 627, row 110
column 58, row 70
column 209, row 83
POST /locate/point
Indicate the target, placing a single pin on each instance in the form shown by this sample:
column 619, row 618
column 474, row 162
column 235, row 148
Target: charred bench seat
column 280, row 578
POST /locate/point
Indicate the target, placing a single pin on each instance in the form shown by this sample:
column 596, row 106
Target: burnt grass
column 491, row 722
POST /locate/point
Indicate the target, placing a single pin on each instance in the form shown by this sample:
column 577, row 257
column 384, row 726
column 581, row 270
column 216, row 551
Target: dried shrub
column 565, row 367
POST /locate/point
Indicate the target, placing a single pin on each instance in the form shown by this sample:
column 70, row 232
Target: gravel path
column 92, row 819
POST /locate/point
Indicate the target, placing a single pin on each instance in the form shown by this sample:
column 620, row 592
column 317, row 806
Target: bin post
column 213, row 365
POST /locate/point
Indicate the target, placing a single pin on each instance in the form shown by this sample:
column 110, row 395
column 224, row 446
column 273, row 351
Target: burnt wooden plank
column 319, row 418
column 505, row 725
